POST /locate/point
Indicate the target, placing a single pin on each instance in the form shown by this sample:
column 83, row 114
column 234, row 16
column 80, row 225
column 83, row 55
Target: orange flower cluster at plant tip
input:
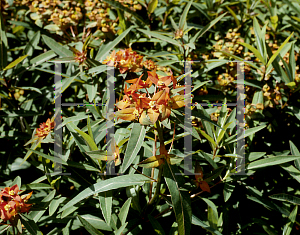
column 45, row 128
column 145, row 107
column 128, row 61
column 12, row 204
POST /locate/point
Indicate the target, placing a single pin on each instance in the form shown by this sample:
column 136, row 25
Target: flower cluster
column 45, row 128
column 128, row 61
column 145, row 107
column 64, row 14
column 12, row 204
column 230, row 44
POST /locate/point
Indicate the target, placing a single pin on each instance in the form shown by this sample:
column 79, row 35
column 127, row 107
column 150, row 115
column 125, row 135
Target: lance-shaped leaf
column 3, row 44
column 124, row 211
column 254, row 50
column 206, row 28
column 289, row 226
column 223, row 132
column 105, row 200
column 271, row 161
column 134, row 145
column 182, row 20
column 210, row 139
column 295, row 151
column 56, row 47
column 92, row 230
column 199, row 222
column 286, row 197
column 180, row 200
column 278, row 51
column 15, row 62
column 161, row 37
column 88, row 139
column 103, row 52
column 152, row 162
column 248, row 132
column 106, row 185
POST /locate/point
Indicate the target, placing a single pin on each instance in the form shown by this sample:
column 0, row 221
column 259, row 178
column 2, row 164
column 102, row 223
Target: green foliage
column 144, row 180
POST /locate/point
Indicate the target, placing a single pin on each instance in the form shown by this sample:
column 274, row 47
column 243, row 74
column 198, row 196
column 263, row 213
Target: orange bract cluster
column 145, row 107
column 11, row 203
column 128, row 61
column 45, row 128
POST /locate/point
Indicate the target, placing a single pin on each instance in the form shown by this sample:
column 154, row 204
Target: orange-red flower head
column 45, row 128
column 11, row 203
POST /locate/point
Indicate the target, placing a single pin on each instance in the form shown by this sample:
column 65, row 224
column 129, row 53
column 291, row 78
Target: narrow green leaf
column 54, row 204
column 199, row 85
column 69, row 163
column 174, row 25
column 90, row 128
column 238, row 58
column 110, row 46
column 160, row 36
column 88, row 226
column 294, row 172
column 254, row 50
column 121, row 229
column 219, row 138
column 134, row 145
column 15, row 62
column 32, row 148
column 210, row 139
column 51, row 72
column 286, row 197
column 63, row 60
column 295, row 151
column 292, row 218
column 19, row 225
column 292, row 62
column 88, row 139
column 98, row 154
column 228, row 189
column 106, row 185
column 105, row 200
column 212, row 218
column 199, row 222
column 180, row 200
column 206, row 28
column 278, row 51
column 259, row 39
column 56, row 47
column 3, row 44
column 271, row 161
column 248, row 132
column 68, row 81
column 35, row 186
column 182, row 20
column 212, row 215
column 237, row 21
column 124, row 211
column 34, row 41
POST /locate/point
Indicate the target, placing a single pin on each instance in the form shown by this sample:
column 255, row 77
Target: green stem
column 160, row 133
column 157, row 190
column 160, row 170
